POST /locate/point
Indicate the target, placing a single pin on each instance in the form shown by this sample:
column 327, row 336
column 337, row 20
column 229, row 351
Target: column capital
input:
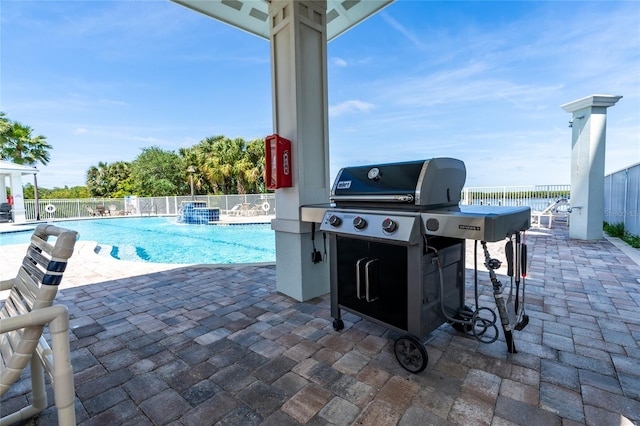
column 591, row 101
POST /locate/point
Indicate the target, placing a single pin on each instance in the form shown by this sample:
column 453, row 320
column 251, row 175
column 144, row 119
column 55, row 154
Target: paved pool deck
column 202, row 345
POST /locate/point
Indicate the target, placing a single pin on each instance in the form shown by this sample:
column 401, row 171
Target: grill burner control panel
column 391, row 227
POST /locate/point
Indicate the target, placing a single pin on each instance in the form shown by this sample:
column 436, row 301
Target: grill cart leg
column 338, row 324
column 411, row 354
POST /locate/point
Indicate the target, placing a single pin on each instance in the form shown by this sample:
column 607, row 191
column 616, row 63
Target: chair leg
column 37, row 384
column 63, row 388
column 39, row 395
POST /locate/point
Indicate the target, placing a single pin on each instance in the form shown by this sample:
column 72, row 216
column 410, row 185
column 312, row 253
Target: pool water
column 164, row 240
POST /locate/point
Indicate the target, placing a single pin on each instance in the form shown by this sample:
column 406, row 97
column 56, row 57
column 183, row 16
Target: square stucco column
column 300, row 114
column 588, row 140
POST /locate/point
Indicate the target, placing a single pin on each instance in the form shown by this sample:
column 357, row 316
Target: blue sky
column 479, row 81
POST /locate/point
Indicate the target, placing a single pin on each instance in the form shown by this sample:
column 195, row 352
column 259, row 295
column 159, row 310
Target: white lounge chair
column 25, row 313
column 557, row 211
column 235, row 210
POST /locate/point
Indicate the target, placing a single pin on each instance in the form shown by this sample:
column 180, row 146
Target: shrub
column 617, row 230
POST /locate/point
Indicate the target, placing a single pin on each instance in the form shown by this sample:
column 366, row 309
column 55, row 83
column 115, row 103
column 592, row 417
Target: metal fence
column 622, row 201
column 622, row 198
column 262, row 204
column 538, row 197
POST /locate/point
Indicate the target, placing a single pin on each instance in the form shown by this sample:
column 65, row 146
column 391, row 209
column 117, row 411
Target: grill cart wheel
column 338, row 324
column 411, row 354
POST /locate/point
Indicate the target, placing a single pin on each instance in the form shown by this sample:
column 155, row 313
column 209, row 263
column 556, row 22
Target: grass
column 617, row 230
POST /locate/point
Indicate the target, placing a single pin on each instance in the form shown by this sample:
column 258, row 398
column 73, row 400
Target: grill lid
column 426, row 183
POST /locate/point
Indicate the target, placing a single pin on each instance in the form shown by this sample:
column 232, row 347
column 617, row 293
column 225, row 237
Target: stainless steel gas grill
column 397, row 252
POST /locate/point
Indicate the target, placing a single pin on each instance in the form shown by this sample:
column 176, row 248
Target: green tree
column 110, row 180
column 5, row 124
column 17, row 144
column 195, row 156
column 97, row 179
column 66, row 192
column 156, row 172
column 227, row 166
column 56, row 193
column 254, row 174
column 29, row 192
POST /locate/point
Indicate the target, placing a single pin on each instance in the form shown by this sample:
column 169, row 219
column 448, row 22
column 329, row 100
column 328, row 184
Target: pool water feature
column 164, row 240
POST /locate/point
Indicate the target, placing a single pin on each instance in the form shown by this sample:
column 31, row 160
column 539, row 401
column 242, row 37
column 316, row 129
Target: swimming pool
column 164, row 240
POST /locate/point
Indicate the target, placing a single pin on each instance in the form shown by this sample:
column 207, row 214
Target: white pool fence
column 535, row 196
column 254, row 204
column 622, row 201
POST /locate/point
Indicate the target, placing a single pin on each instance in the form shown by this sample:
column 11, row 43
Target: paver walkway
column 201, row 345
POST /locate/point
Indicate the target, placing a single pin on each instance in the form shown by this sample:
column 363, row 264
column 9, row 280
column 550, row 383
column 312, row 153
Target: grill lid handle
column 400, row 198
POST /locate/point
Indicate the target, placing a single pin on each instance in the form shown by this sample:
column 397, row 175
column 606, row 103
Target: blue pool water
column 163, row 240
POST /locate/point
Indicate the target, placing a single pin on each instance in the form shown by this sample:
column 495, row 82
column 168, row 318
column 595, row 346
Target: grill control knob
column 334, row 221
column 359, row 223
column 389, row 225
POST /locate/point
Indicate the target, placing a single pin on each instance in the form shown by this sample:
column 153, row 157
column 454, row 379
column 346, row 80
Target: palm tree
column 18, row 145
column 4, row 127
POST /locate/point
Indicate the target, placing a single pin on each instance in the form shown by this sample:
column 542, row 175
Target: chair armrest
column 6, row 284
column 34, row 318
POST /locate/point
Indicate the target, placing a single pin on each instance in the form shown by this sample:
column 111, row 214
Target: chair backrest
column 34, row 287
column 553, row 207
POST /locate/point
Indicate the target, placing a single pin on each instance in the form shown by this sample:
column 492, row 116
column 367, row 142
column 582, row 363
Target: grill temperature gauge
column 389, row 225
column 359, row 223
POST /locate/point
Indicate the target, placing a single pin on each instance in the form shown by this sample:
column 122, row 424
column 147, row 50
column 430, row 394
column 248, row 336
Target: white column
column 588, row 139
column 299, row 85
column 18, row 210
column 3, row 188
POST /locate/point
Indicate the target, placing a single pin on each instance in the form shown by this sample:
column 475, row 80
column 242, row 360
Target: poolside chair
column 5, row 212
column 27, row 309
column 557, row 211
column 113, row 210
column 257, row 209
column 101, row 210
column 235, row 210
column 91, row 211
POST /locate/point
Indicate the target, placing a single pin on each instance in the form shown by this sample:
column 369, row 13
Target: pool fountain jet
column 197, row 212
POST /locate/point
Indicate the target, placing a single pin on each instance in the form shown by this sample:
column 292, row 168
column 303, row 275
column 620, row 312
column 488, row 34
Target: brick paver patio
column 203, row 345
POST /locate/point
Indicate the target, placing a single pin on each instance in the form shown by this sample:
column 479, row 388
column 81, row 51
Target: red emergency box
column 277, row 154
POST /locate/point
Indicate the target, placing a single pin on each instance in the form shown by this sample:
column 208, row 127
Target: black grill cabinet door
column 384, row 268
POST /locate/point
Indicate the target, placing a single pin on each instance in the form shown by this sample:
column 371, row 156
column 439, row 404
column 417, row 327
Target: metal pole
column 191, row 171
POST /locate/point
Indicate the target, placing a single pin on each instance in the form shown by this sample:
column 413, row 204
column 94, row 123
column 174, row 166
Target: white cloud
column 348, row 107
column 410, row 35
column 80, row 131
column 339, row 62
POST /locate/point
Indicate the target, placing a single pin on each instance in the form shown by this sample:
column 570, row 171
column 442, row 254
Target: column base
column 297, row 276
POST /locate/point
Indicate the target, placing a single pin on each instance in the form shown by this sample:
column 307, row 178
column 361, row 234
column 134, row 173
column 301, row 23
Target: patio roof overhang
column 253, row 15
column 7, row 167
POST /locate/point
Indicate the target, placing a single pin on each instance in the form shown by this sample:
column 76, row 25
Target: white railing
column 142, row 206
column 535, row 196
column 538, row 197
column 622, row 201
column 622, row 198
